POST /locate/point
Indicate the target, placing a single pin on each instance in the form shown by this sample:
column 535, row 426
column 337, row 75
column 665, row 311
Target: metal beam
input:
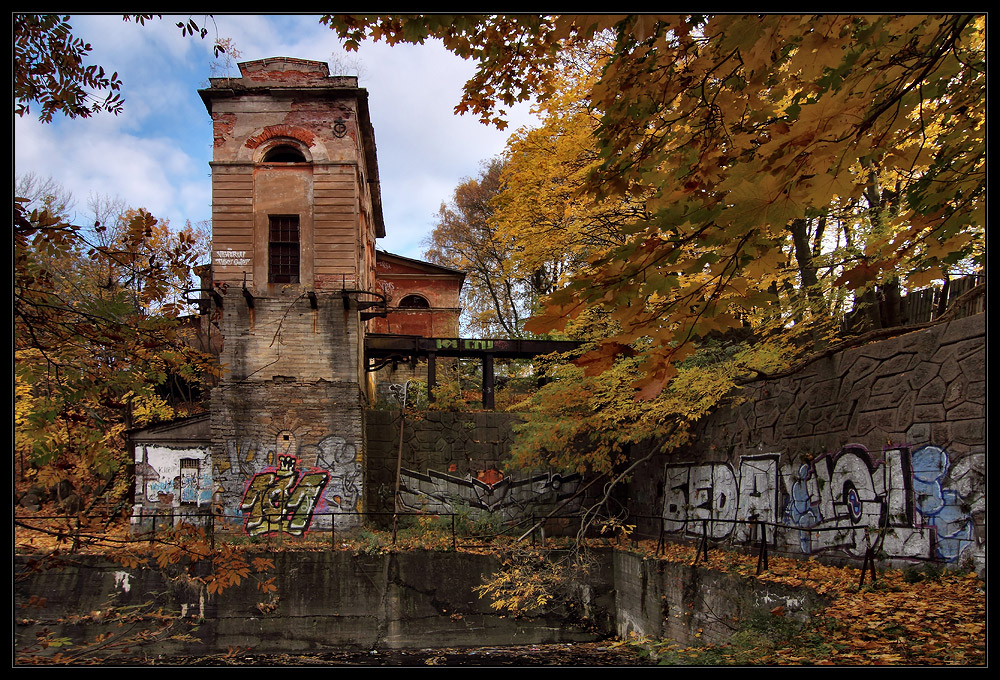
column 379, row 345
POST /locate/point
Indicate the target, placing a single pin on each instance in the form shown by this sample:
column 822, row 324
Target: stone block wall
column 287, row 338
column 288, row 416
column 881, row 445
column 454, row 463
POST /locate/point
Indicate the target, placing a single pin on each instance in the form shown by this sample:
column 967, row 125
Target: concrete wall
column 883, row 443
column 690, row 605
column 331, row 600
column 341, row 600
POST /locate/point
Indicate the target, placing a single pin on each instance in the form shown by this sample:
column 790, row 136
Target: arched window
column 283, row 153
column 414, row 302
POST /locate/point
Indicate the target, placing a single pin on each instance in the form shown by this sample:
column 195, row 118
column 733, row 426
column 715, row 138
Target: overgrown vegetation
column 770, row 182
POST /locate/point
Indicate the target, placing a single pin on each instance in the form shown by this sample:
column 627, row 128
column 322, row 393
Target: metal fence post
column 869, row 561
column 703, row 546
column 762, row 554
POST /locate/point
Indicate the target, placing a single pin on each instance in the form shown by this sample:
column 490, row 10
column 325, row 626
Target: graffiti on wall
column 489, row 492
column 169, row 476
column 282, row 500
column 901, row 504
column 341, row 458
column 259, row 470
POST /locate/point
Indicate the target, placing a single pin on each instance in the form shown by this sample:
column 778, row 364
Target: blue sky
column 155, row 154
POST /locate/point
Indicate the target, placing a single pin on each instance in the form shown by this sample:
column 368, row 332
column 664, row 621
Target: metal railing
column 750, row 535
column 150, row 525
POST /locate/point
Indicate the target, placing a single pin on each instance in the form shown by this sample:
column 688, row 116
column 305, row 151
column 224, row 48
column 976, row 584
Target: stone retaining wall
column 883, row 445
column 454, row 463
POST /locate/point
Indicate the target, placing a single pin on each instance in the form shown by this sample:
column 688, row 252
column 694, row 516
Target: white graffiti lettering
column 845, row 502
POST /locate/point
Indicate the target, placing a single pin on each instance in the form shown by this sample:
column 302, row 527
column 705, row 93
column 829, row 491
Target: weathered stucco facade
column 295, row 212
column 423, row 298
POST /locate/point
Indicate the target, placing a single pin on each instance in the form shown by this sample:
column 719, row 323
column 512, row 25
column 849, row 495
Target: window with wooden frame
column 283, row 249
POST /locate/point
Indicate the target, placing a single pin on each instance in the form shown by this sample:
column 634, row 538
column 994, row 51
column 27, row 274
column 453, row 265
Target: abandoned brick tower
column 296, row 210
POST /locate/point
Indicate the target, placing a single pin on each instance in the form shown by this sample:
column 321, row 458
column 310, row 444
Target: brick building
column 423, row 298
column 296, row 210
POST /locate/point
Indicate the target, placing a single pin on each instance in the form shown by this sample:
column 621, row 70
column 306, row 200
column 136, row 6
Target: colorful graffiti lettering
column 940, row 507
column 278, row 500
column 336, row 457
column 453, row 343
column 845, row 502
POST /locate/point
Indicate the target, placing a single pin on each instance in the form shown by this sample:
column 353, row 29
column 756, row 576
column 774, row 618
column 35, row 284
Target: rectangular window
column 283, row 249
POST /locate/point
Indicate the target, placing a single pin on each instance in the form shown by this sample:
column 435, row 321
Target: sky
column 155, row 154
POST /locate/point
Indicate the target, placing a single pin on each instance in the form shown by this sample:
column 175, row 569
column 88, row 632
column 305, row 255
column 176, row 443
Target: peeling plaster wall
column 881, row 445
column 159, row 478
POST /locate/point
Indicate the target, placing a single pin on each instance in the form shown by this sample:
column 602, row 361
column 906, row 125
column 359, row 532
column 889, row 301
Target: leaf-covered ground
column 560, row 654
column 915, row 616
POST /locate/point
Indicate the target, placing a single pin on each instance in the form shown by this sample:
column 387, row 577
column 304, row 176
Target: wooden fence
column 921, row 306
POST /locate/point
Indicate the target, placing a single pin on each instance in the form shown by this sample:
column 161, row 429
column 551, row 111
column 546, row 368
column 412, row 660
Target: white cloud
column 96, row 159
column 156, row 153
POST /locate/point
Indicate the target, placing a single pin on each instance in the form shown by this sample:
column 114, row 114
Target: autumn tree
column 495, row 302
column 790, row 168
column 43, row 193
column 96, row 328
column 51, row 73
column 753, row 123
column 541, row 207
column 733, row 127
column 96, row 333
